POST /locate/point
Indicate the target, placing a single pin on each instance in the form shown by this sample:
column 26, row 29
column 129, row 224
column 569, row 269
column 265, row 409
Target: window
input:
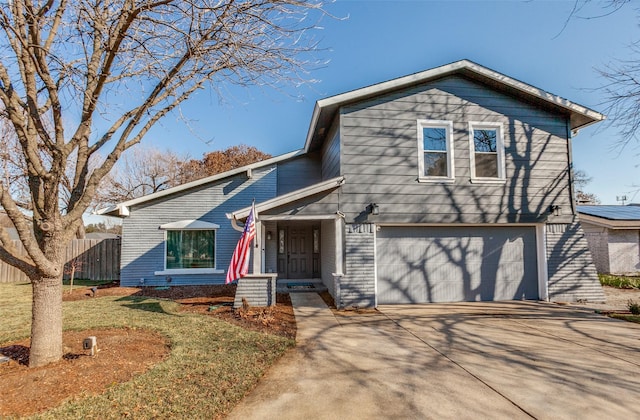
column 487, row 152
column 435, row 151
column 190, row 247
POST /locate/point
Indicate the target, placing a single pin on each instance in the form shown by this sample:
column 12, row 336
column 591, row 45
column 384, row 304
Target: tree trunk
column 46, row 321
column 81, row 233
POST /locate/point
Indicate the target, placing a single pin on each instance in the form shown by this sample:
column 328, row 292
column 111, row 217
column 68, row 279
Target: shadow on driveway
column 467, row 360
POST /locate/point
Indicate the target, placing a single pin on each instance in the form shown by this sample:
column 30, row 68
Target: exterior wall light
column 374, row 209
column 555, row 210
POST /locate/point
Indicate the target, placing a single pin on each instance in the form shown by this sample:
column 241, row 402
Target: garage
column 455, row 264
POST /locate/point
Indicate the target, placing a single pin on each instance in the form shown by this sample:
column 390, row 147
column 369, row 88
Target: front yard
column 189, row 364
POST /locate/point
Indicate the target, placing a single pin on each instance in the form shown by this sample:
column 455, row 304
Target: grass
column 626, row 317
column 85, row 282
column 212, row 365
column 619, row 282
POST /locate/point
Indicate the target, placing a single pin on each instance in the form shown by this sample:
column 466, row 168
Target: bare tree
column 146, row 170
column 622, row 77
column 581, row 10
column 142, row 171
column 104, row 72
column 580, row 180
column 622, row 93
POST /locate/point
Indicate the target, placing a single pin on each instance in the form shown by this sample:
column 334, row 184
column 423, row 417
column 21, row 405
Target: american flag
column 239, row 266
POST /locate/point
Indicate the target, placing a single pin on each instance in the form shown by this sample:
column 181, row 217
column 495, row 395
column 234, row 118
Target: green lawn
column 620, row 282
column 211, row 366
column 627, row 317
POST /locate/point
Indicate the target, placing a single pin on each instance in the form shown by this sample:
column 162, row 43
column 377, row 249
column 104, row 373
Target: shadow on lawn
column 142, row 304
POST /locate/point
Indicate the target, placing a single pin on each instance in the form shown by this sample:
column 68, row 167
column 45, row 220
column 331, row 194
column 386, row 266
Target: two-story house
column 453, row 184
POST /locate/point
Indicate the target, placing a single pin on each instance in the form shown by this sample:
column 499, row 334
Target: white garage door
column 455, row 264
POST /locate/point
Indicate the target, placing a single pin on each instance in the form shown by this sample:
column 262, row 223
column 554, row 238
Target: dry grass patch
column 212, row 364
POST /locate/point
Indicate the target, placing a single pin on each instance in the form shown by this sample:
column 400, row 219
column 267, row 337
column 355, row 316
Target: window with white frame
column 486, row 152
column 190, row 245
column 435, row 150
column 190, row 249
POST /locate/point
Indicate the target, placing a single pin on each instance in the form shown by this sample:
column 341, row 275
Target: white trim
column 259, row 275
column 531, row 224
column 211, row 270
column 487, row 181
column 121, row 209
column 375, row 266
column 190, row 225
column 608, row 223
column 331, row 104
column 339, row 272
column 448, row 127
column 257, row 253
column 285, row 217
column 288, row 198
column 263, row 248
column 543, row 273
column 502, row 176
column 188, row 271
column 339, row 248
column 313, row 124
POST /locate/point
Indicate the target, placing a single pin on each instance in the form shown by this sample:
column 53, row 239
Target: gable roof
column 122, row 209
column 288, row 198
column 325, row 109
column 614, row 217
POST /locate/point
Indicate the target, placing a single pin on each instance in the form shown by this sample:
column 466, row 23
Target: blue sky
column 380, row 40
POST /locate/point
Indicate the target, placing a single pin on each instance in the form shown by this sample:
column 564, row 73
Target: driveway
column 468, row 360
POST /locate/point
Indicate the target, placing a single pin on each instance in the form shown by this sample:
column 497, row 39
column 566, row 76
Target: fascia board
column 127, row 204
column 288, row 198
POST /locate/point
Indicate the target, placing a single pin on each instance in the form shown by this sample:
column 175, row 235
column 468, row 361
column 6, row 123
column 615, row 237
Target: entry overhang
column 284, row 199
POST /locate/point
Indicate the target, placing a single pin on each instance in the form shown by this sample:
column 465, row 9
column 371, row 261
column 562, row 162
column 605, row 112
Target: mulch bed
column 210, row 300
column 124, row 353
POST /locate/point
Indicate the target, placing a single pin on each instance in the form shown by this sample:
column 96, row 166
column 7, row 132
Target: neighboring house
column 613, row 234
column 453, row 184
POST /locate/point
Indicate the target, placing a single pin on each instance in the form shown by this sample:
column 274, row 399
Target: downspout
column 234, row 223
column 571, row 176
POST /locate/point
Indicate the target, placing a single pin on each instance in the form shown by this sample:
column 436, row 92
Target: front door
column 297, row 256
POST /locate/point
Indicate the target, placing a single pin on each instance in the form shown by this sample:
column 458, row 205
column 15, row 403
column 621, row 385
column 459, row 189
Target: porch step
column 300, row 286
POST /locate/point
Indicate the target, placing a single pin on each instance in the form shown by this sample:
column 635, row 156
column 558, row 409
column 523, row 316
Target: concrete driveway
column 468, row 360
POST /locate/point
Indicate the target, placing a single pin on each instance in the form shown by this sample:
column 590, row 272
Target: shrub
column 634, row 307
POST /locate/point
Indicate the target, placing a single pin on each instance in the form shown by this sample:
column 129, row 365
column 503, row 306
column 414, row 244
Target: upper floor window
column 486, row 152
column 435, row 151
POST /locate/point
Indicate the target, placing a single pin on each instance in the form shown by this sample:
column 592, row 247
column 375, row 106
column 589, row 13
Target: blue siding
column 331, row 153
column 298, row 173
column 328, row 252
column 379, row 157
column 143, row 243
column 572, row 274
column 357, row 287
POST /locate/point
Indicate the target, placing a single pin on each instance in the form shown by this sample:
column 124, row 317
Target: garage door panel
column 444, row 264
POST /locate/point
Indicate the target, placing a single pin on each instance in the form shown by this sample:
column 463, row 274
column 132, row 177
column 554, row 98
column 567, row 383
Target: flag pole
column 258, row 228
column 239, row 266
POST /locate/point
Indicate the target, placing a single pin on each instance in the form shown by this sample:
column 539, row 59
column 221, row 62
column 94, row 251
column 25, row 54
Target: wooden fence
column 96, row 259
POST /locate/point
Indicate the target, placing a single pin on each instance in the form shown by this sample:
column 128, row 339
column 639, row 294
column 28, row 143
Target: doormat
column 298, row 286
